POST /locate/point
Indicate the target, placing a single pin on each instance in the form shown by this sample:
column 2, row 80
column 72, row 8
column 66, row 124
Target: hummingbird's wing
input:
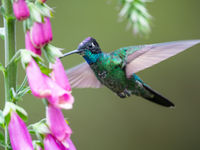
column 81, row 76
column 149, row 55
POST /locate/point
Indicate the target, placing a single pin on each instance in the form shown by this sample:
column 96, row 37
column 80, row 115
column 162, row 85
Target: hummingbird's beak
column 69, row 53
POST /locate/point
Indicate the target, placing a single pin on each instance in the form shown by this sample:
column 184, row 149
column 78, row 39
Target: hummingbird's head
column 89, row 45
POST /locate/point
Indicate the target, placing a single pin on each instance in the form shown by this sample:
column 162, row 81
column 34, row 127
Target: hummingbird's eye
column 91, row 45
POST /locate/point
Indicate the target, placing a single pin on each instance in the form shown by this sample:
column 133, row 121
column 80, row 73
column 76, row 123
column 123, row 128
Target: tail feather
column 157, row 98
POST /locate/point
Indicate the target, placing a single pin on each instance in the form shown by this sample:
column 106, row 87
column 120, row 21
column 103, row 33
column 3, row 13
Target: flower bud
column 47, row 30
column 57, row 124
column 37, row 35
column 18, row 133
column 29, row 45
column 21, row 10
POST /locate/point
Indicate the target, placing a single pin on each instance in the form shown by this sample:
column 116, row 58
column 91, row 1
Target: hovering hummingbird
column 116, row 70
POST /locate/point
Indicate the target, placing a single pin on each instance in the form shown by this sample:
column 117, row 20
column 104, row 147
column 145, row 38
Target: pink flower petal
column 19, row 135
column 47, row 30
column 57, row 124
column 37, row 81
column 29, row 45
column 21, row 10
column 69, row 144
column 59, row 76
column 37, row 35
column 50, row 143
column 59, row 97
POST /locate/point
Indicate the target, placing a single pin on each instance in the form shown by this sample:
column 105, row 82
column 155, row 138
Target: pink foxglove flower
column 18, row 133
column 43, row 86
column 59, row 97
column 50, row 143
column 29, row 45
column 59, row 76
column 36, row 80
column 37, row 35
column 47, row 30
column 57, row 124
column 20, row 9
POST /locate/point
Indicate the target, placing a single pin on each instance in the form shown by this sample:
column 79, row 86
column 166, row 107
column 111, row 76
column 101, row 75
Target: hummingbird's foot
column 124, row 94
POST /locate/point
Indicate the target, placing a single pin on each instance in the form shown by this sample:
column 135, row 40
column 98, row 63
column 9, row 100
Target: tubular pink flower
column 36, row 80
column 59, row 76
column 59, row 97
column 50, row 143
column 57, row 124
column 29, row 45
column 47, row 30
column 21, row 10
column 37, row 35
column 43, row 86
column 19, row 135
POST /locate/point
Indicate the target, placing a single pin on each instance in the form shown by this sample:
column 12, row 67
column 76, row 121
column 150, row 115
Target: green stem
column 10, row 48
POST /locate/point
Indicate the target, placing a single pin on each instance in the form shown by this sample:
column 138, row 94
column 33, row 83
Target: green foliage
column 44, row 69
column 35, row 12
column 51, row 52
column 39, row 129
column 137, row 14
column 2, row 68
column 27, row 55
column 2, row 141
column 9, row 107
column 44, row 9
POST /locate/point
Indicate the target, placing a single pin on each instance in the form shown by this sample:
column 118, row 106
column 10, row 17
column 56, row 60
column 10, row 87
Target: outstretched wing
column 149, row 55
column 81, row 76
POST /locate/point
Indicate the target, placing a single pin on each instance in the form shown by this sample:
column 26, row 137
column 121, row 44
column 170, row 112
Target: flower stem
column 10, row 48
column 9, row 25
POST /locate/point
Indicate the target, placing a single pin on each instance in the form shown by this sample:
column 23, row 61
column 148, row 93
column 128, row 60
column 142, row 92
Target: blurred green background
column 101, row 120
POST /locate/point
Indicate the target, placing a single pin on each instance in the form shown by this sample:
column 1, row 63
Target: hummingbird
column 117, row 70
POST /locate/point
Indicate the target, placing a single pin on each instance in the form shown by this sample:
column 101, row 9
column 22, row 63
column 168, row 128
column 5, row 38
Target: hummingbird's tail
column 157, row 98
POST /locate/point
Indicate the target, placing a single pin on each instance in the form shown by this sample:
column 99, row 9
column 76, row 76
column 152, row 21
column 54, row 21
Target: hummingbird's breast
column 111, row 73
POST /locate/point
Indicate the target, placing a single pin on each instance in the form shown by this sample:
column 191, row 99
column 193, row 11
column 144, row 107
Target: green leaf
column 26, row 57
column 40, row 129
column 2, row 33
column 2, row 68
column 13, row 95
column 52, row 52
column 136, row 13
column 9, row 107
column 44, row 69
column 24, row 91
column 2, row 140
column 35, row 12
column 38, row 145
column 27, row 24
column 21, row 114
column 45, row 10
column 1, row 119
